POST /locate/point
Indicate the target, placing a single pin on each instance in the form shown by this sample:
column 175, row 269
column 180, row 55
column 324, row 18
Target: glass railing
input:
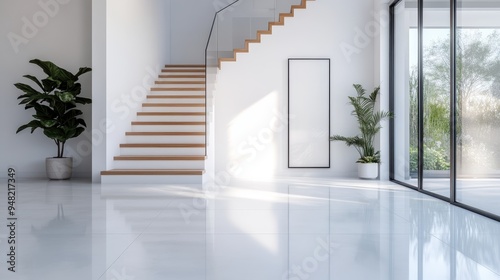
column 239, row 21
column 231, row 27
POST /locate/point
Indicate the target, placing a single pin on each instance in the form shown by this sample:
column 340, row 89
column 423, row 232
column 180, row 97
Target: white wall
column 251, row 95
column 59, row 31
column 381, row 19
column 191, row 21
column 98, row 88
column 137, row 46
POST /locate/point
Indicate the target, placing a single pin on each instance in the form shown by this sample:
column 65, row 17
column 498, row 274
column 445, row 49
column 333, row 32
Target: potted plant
column 369, row 125
column 56, row 112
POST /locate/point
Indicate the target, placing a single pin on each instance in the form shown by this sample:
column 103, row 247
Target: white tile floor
column 294, row 229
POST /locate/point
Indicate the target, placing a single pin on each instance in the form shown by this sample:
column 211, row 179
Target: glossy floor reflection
column 294, row 229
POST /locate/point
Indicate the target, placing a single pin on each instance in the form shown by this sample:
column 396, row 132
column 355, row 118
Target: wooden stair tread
column 153, row 172
column 161, row 145
column 173, row 105
column 185, row 65
column 166, row 123
column 178, row 89
column 164, row 133
column 127, row 157
column 227, row 59
column 170, row 113
column 183, row 70
column 241, row 50
column 176, row 96
column 182, row 76
column 180, row 82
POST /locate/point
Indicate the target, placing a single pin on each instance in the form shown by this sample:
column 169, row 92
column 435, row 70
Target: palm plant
column 368, row 123
column 55, row 104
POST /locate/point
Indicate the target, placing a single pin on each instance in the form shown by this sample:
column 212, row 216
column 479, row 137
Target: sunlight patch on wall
column 253, row 135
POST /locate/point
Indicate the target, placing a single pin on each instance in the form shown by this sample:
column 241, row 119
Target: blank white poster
column 309, row 113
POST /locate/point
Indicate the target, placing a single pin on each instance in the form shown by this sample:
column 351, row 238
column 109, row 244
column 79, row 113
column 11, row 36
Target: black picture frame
column 290, row 113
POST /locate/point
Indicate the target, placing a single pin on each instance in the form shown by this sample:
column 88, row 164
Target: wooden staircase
column 269, row 31
column 167, row 141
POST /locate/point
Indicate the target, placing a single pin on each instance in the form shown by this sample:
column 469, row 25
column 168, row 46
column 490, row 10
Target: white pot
column 368, row 170
column 59, row 168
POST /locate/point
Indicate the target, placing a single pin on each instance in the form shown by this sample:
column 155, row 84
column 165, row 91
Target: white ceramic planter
column 368, row 170
column 59, row 168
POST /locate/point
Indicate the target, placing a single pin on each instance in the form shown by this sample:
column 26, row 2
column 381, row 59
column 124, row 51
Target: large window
column 446, row 99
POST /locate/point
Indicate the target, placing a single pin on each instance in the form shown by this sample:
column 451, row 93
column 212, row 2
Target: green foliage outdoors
column 368, row 123
column 434, row 159
column 54, row 103
column 478, row 103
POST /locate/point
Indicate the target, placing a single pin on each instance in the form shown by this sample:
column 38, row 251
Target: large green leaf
column 26, row 88
column 65, row 96
column 54, row 71
column 34, row 79
column 79, row 130
column 82, row 71
column 34, row 98
column 48, row 123
column 60, row 108
column 44, row 110
column 76, row 89
column 82, row 122
column 83, row 100
column 69, row 132
column 49, row 85
column 72, row 114
column 55, row 133
column 34, row 124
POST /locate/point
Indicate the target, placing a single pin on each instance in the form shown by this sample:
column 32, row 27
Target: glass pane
column 405, row 93
column 436, row 68
column 478, row 104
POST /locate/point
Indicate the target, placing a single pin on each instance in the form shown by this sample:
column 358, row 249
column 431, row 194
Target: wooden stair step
column 183, row 70
column 167, row 76
column 163, row 133
column 178, row 89
column 161, row 145
column 153, row 172
column 170, row 114
column 180, row 82
column 159, row 157
column 185, row 65
column 173, row 105
column 302, row 5
column 176, row 96
column 167, row 123
column 241, row 50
